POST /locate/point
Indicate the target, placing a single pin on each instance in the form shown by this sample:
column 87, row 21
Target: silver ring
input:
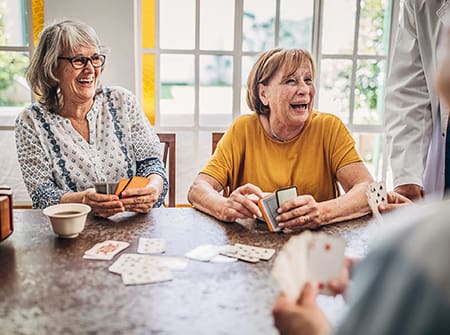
column 306, row 218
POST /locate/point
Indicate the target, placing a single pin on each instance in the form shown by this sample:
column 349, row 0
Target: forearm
column 77, row 197
column 351, row 205
column 154, row 169
column 206, row 199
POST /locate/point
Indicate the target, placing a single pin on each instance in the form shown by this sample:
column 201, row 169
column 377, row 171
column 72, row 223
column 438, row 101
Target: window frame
column 28, row 20
column 237, row 53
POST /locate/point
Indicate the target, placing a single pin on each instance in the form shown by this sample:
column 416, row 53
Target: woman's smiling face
column 290, row 98
column 78, row 85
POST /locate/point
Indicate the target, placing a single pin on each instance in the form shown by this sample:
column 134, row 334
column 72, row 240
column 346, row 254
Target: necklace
column 274, row 134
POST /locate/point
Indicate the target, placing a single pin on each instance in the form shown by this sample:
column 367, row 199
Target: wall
column 114, row 23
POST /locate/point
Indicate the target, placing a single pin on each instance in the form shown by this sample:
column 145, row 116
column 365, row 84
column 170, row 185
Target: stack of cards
column 105, row 250
column 248, row 253
column 376, row 195
column 118, row 187
column 270, row 204
column 307, row 257
column 138, row 269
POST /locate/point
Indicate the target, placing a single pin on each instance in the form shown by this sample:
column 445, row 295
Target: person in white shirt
column 415, row 118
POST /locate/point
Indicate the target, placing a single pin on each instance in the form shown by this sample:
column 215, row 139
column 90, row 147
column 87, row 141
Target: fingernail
column 281, row 225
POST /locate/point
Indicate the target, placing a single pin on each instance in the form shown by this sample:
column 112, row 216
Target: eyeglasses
column 79, row 62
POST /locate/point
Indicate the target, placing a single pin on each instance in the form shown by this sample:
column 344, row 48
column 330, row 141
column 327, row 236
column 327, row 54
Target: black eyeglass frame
column 85, row 60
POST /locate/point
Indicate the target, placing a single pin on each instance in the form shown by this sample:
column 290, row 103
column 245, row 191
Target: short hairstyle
column 265, row 68
column 61, row 36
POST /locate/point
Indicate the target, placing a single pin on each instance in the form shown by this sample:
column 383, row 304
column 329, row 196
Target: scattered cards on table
column 137, row 269
column 309, row 256
column 230, row 253
column 144, row 267
column 105, row 250
column 376, row 195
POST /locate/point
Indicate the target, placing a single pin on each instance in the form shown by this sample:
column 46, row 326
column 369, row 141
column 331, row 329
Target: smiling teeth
column 300, row 105
column 85, row 80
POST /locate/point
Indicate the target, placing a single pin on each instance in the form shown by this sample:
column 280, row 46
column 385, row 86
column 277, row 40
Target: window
column 204, row 51
column 16, row 42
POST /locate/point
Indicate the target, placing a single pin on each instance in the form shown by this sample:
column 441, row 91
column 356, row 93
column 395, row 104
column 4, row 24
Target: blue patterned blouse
column 56, row 159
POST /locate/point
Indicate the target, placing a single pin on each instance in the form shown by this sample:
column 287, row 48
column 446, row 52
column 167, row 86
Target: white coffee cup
column 68, row 219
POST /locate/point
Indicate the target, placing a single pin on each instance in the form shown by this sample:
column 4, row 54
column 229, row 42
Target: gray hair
column 61, row 36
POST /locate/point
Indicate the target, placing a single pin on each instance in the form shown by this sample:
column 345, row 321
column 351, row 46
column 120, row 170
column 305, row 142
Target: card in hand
column 325, row 258
column 376, row 195
column 105, row 187
column 270, row 204
column 308, row 257
column 290, row 266
column 105, row 250
column 151, row 245
column 129, row 183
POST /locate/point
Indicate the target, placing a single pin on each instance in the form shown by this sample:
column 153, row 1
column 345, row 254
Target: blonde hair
column 61, row 36
column 265, row 68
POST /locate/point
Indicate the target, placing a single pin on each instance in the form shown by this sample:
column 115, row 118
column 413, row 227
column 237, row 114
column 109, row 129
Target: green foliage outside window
column 12, row 65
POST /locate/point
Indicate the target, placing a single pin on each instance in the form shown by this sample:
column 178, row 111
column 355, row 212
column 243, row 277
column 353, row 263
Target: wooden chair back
column 168, row 140
column 216, row 136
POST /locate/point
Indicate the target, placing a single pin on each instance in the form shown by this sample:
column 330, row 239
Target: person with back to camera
column 80, row 132
column 285, row 142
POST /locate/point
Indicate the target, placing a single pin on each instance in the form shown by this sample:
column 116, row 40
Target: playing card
column 129, row 183
column 223, row 259
column 105, row 250
column 105, row 187
column 151, row 245
column 269, row 207
column 325, row 257
column 376, row 195
column 306, row 257
column 146, row 274
column 290, row 266
column 239, row 253
column 204, row 252
column 256, row 252
column 282, row 272
column 286, row 194
column 129, row 262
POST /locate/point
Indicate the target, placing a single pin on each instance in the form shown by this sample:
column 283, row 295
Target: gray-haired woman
column 80, row 133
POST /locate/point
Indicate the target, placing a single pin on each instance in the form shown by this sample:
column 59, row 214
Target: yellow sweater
column 246, row 154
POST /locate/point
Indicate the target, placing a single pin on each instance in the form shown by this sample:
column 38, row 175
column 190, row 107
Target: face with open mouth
column 289, row 98
column 78, row 85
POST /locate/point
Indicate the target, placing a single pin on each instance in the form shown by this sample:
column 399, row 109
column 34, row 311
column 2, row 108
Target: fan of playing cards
column 376, row 195
column 307, row 257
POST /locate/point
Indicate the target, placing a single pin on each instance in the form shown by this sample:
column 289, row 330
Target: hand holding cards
column 376, row 195
column 270, row 204
column 121, row 185
column 305, row 257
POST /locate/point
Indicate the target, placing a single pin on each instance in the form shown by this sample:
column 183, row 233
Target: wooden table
column 46, row 287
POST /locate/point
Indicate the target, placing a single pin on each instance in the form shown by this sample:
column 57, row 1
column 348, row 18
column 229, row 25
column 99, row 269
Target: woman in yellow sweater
column 285, row 142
